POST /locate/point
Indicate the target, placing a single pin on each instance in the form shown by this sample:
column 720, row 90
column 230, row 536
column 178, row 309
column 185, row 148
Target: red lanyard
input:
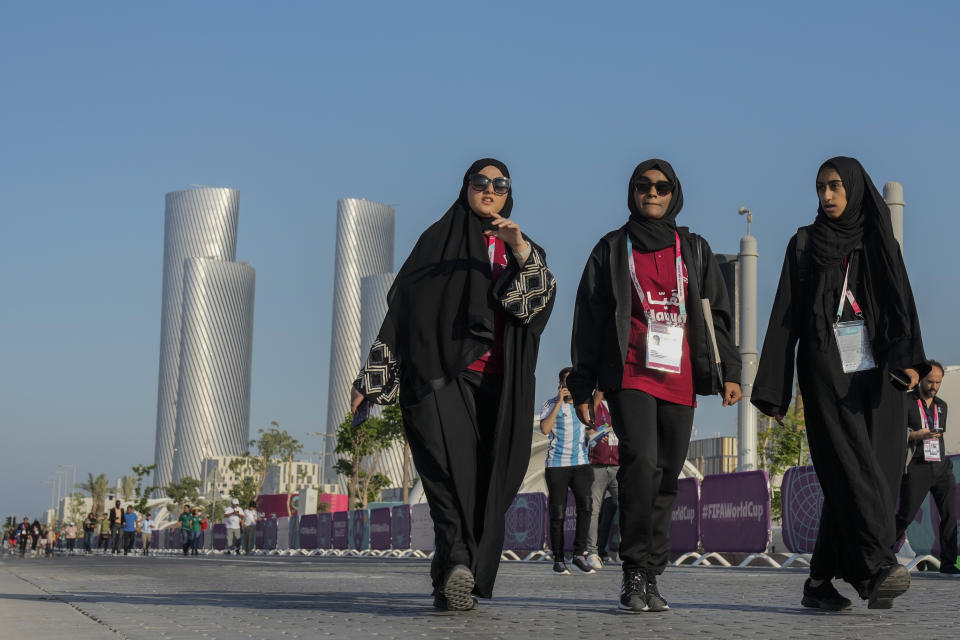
column 846, row 294
column 923, row 416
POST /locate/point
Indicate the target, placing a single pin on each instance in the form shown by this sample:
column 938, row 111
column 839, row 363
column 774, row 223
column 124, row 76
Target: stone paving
column 161, row 598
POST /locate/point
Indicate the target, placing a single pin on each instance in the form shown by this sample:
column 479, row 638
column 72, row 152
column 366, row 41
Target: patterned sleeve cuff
column 531, row 289
column 379, row 380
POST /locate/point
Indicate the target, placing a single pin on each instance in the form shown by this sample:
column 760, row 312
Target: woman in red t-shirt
column 641, row 335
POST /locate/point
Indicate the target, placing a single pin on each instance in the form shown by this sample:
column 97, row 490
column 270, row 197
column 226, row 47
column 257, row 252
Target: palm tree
column 97, row 488
column 127, row 485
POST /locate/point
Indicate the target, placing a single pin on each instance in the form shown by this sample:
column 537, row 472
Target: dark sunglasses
column 479, row 182
column 663, row 187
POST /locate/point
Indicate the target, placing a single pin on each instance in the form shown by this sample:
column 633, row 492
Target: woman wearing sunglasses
column 642, row 336
column 844, row 309
column 459, row 345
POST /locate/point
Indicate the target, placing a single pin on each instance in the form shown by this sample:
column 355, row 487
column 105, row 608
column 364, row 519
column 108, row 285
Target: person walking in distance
column 185, row 522
column 90, row 527
column 844, row 310
column 129, row 529
column 458, row 350
column 928, row 469
column 146, row 532
column 70, row 535
column 567, row 467
column 603, row 452
column 651, row 321
column 232, row 517
column 104, row 543
column 116, row 527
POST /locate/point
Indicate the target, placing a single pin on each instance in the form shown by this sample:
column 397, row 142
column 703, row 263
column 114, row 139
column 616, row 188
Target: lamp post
column 747, row 416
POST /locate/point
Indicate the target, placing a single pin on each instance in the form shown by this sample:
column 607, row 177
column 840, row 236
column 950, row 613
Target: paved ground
column 272, row 597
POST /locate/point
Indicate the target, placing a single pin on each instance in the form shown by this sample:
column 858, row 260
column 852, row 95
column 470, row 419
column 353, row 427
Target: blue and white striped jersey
column 568, row 444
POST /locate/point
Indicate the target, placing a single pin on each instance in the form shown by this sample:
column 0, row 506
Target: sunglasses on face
column 663, row 187
column 479, row 182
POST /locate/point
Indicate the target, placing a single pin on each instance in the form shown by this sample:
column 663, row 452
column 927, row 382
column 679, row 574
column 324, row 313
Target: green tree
column 77, row 506
column 97, row 488
column 186, row 491
column 361, row 447
column 141, row 493
column 275, row 446
column 127, row 485
column 245, row 491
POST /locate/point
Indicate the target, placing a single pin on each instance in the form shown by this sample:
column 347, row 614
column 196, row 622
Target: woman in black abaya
column 855, row 419
column 459, row 345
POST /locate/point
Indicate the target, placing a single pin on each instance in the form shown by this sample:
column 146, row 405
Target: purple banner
column 526, row 523
column 735, row 512
column 341, row 530
column 324, row 531
column 219, row 537
column 155, row 539
column 924, row 531
column 260, row 535
column 176, row 539
column 685, row 518
column 308, row 532
column 400, row 527
column 380, row 537
column 360, row 529
column 270, row 534
column 802, row 502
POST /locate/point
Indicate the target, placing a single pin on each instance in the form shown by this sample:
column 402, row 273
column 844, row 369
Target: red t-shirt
column 657, row 274
column 491, row 361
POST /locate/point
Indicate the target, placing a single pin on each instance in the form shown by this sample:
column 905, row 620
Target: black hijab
column 649, row 234
column 441, row 309
column 865, row 221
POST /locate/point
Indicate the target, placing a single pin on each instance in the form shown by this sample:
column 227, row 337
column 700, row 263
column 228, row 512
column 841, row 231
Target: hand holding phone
column 362, row 413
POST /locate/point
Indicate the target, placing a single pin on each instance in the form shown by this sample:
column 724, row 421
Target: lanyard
column 846, row 294
column 681, row 299
column 923, row 416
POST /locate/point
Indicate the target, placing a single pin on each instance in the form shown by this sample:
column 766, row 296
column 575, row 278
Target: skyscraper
column 364, row 248
column 198, row 223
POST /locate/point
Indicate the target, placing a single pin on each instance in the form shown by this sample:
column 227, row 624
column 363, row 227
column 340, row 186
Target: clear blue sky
column 106, row 106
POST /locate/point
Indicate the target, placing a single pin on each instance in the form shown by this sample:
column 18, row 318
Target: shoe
column 560, row 569
column 594, row 561
column 633, row 591
column 887, row 584
column 440, row 603
column 580, row 562
column 949, row 569
column 824, row 597
column 458, row 589
column 605, row 559
column 655, row 601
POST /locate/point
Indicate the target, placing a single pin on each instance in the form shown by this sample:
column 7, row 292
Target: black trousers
column 935, row 478
column 579, row 479
column 608, row 511
column 451, row 434
column 654, row 437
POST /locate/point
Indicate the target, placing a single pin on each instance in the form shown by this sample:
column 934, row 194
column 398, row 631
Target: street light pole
column 747, row 415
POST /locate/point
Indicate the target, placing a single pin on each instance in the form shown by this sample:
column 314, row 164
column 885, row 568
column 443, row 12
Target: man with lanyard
column 605, row 459
column 928, row 470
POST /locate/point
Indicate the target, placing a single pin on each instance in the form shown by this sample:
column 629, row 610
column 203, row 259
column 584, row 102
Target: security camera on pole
column 747, row 417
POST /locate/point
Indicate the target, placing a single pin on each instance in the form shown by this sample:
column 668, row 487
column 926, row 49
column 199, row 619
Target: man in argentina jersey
column 567, row 466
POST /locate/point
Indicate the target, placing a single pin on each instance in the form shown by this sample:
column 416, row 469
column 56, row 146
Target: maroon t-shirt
column 492, row 361
column 657, row 274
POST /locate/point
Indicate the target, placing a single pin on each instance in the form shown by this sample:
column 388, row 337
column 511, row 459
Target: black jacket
column 914, row 424
column 601, row 319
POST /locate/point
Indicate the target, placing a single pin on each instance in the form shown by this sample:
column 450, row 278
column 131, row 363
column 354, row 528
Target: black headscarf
column 441, row 309
column 649, row 234
column 866, row 221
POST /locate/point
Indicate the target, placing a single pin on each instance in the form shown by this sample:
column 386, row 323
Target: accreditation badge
column 931, row 450
column 853, row 341
column 664, row 347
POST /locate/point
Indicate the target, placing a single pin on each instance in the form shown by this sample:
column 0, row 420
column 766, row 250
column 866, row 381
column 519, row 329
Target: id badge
column 853, row 341
column 931, row 450
column 664, row 347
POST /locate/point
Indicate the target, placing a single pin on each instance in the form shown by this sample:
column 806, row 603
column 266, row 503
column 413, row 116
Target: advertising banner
column 324, row 531
column 802, row 501
column 283, row 533
column 341, row 533
column 360, row 529
column 308, row 532
column 685, row 519
column 219, row 537
column 293, row 538
column 400, row 527
column 735, row 512
column 270, row 534
column 176, row 539
column 260, row 535
column 421, row 528
column 380, row 529
column 526, row 523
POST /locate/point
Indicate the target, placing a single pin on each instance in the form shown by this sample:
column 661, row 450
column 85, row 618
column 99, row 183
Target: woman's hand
column 914, row 377
column 508, row 231
column 585, row 413
column 731, row 394
column 355, row 399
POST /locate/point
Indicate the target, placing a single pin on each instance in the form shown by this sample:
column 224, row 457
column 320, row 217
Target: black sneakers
column 633, row 591
column 949, row 569
column 457, row 591
column 887, row 584
column 560, row 569
column 655, row 601
column 580, row 562
column 824, row 597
